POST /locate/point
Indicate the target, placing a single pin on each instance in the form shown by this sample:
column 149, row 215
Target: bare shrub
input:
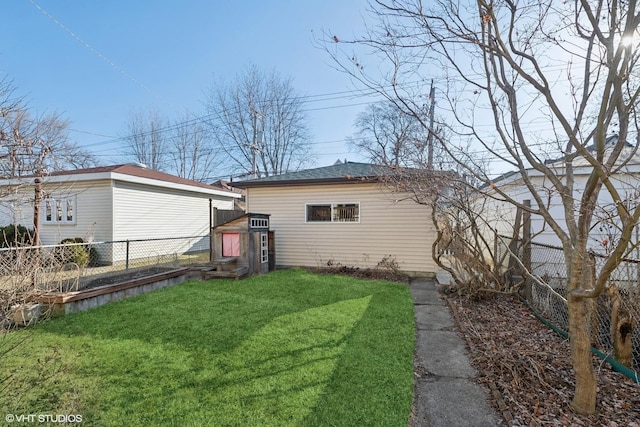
column 386, row 269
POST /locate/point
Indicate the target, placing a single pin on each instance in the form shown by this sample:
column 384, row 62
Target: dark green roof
column 342, row 172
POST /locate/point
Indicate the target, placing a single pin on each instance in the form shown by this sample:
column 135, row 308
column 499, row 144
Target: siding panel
column 93, row 211
column 401, row 230
column 145, row 212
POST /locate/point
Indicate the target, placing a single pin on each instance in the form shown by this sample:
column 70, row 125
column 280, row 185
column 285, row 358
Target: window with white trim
column 333, row 212
column 259, row 223
column 59, row 210
column 264, row 246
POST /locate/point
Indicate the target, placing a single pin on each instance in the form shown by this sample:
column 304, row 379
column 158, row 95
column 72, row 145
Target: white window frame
column 333, row 212
column 264, row 246
column 56, row 209
column 259, row 223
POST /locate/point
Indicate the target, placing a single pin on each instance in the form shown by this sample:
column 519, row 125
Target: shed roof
column 347, row 172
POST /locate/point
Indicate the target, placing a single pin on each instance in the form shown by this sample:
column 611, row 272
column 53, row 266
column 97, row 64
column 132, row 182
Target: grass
column 287, row 348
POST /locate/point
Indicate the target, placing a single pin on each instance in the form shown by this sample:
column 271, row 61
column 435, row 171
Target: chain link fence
column 73, row 266
column 545, row 291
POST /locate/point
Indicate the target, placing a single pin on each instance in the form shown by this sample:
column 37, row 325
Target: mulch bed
column 526, row 368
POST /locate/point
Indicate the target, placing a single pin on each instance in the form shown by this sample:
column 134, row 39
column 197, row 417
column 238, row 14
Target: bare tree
column 32, row 146
column 259, row 122
column 147, row 139
column 28, row 146
column 386, row 135
column 553, row 80
column 190, row 149
column 9, row 102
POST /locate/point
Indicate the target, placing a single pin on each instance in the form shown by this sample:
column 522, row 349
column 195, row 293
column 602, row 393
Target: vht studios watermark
column 43, row 418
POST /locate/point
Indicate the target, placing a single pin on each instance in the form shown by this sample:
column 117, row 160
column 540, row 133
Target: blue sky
column 166, row 53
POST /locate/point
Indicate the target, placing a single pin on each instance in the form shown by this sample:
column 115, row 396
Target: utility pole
column 36, row 211
column 432, row 97
column 254, row 146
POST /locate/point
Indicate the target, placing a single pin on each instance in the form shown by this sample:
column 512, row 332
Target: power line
column 348, row 94
column 94, row 50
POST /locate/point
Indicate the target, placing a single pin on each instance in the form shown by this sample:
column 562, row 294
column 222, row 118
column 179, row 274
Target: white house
column 343, row 215
column 121, row 202
column 625, row 177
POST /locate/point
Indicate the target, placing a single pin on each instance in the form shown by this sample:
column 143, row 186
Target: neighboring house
column 121, row 202
column 239, row 204
column 625, row 177
column 501, row 215
column 343, row 215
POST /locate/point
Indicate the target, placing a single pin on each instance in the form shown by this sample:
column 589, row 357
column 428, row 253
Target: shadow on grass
column 379, row 356
column 288, row 348
column 215, row 314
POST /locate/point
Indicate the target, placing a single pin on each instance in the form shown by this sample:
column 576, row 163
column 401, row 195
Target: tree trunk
column 580, row 310
column 622, row 324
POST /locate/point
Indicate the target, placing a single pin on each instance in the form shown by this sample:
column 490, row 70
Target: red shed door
column 230, row 244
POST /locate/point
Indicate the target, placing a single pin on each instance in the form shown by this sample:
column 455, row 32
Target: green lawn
column 287, row 348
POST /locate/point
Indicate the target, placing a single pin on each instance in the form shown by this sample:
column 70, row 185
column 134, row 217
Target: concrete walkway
column 445, row 392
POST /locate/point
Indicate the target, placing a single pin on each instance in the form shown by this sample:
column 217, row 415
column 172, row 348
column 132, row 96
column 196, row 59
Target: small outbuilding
column 243, row 246
column 345, row 214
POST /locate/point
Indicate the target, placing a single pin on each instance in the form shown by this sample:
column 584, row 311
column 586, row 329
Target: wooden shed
column 243, row 246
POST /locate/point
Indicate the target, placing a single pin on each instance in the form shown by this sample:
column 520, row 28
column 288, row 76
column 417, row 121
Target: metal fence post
column 126, row 266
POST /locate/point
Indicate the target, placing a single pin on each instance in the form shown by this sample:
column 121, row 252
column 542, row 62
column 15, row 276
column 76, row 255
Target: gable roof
column 131, row 173
column 347, row 172
column 629, row 157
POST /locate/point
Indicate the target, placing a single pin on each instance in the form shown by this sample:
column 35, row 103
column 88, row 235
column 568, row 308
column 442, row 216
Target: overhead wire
column 367, row 92
column 92, row 49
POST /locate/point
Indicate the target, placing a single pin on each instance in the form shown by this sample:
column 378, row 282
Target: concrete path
column 445, row 392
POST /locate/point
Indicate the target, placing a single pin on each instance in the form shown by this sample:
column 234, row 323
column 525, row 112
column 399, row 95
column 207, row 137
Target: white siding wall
column 144, row 212
column 402, row 230
column 501, row 214
column 107, row 210
column 93, row 211
column 17, row 208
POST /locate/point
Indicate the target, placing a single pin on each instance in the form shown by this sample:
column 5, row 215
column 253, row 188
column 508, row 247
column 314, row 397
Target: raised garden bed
column 95, row 293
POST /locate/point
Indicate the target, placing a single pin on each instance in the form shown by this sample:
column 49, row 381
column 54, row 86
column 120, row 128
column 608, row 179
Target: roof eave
column 172, row 185
column 309, row 181
column 122, row 177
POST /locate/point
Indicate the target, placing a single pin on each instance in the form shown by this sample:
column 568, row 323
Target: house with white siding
column 110, row 203
column 624, row 177
column 343, row 215
column 604, row 229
